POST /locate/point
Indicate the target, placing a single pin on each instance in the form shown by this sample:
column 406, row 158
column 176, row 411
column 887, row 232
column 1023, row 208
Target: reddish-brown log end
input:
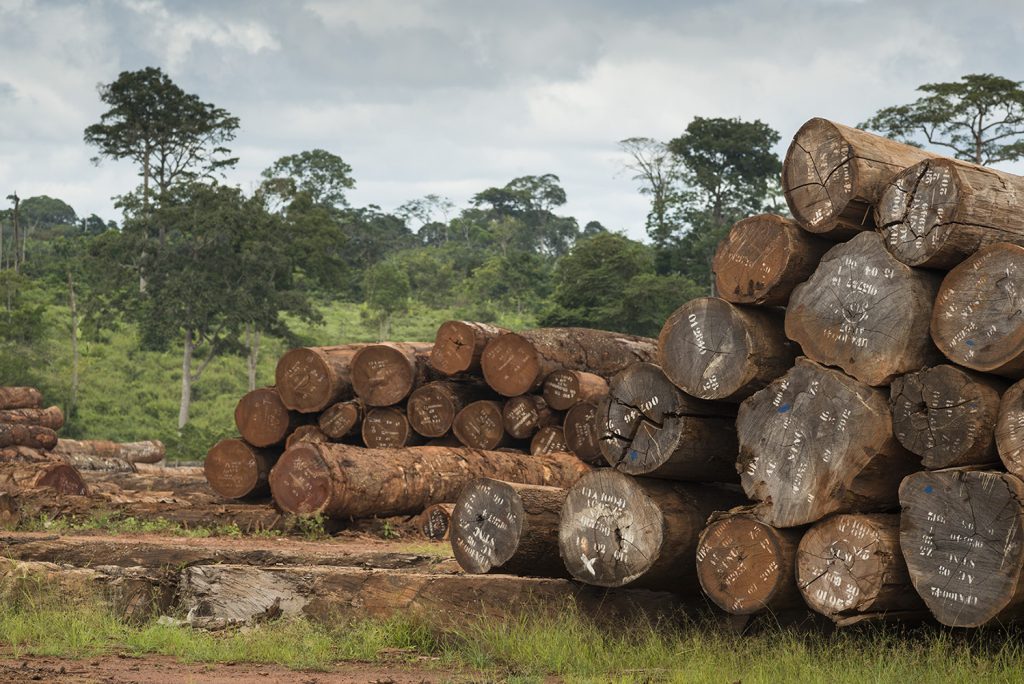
column 231, row 469
column 510, row 365
column 303, row 381
column 301, row 482
column 453, row 348
column 63, row 479
column 382, row 375
column 262, row 418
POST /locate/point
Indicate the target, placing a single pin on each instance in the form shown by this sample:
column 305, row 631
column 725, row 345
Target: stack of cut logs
column 835, row 430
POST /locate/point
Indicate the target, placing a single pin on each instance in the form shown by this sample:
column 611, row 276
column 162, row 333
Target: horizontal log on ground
column 509, row 528
column 1010, row 429
column 582, row 432
column 32, row 436
column 852, row 565
column 976, row 320
column 459, row 345
column 481, row 425
column 617, row 530
column 961, row 534
column 236, row 470
column 86, row 462
column 834, row 175
column 436, row 521
column 941, row 211
column 746, row 567
column 815, row 442
column 947, row 415
column 305, row 433
column 715, row 350
column 763, row 258
column 522, row 416
column 865, row 312
column 343, row 481
column 432, row 408
column 649, row 427
column 341, row 420
column 51, row 417
column 563, row 389
column 309, row 379
column 263, row 420
column 147, row 451
column 385, row 374
column 50, row 473
column 548, row 440
column 518, row 363
column 20, row 397
column 388, row 428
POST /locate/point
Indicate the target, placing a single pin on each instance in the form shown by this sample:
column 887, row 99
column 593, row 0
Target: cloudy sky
column 450, row 96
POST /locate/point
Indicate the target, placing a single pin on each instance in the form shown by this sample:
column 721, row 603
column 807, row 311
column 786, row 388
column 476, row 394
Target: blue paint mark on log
column 969, row 343
column 784, row 408
column 928, row 489
column 633, row 455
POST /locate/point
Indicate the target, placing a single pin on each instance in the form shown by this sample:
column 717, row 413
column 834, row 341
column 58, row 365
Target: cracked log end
column 916, row 212
column 457, row 346
column 236, row 470
column 301, row 482
column 819, row 179
column 510, row 365
column 262, row 418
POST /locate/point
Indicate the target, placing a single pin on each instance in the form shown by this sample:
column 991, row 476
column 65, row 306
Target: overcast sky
column 451, row 97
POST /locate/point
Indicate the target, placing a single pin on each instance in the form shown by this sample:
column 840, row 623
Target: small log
column 86, row 462
column 961, row 534
column 236, row 470
column 341, row 420
column 262, row 418
column 582, row 432
column 388, row 428
column 460, row 344
column 617, row 530
column 479, row 425
column 1009, row 432
column 833, row 176
column 816, row 442
column 148, row 451
column 941, row 211
column 32, row 436
column 947, row 415
column 508, row 528
column 309, row 379
column 763, row 258
column 435, row 521
column 865, row 312
column 338, row 480
column 305, row 433
column 32, row 470
column 852, row 565
column 649, row 427
column 432, row 408
column 20, row 397
column 746, row 567
column 715, row 350
column 385, row 374
column 563, row 389
column 51, row 417
column 548, row 440
column 976, row 321
column 518, row 363
column 522, row 416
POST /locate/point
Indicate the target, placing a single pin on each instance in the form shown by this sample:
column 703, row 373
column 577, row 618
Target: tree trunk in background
column 72, row 304
column 252, row 338
column 186, row 380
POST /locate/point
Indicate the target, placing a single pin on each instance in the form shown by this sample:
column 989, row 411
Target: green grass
column 115, row 523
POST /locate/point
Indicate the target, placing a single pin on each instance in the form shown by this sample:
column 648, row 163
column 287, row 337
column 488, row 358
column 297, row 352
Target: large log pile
column 28, row 436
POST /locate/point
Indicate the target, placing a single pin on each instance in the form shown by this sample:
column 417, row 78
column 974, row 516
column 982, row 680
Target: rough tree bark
column 20, row 397
column 947, row 415
column 548, row 440
column 262, row 418
column 342, row 419
column 51, row 417
column 342, row 481
column 306, row 433
column 649, row 427
column 509, row 528
column 385, row 374
column 29, row 470
column 522, row 416
column 941, row 211
column 237, row 470
column 388, row 428
column 715, row 350
column 149, row 451
column 582, row 432
column 865, row 312
column 480, row 426
column 309, row 379
column 563, row 389
column 432, row 408
column 460, row 344
column 816, row 442
column 833, row 176
column 32, row 436
column 763, row 258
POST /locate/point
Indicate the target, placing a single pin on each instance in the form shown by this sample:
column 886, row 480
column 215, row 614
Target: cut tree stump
column 548, row 440
column 388, row 428
column 148, row 451
column 961, row 535
column 236, row 470
column 617, row 530
column 20, row 397
column 852, row 565
column 947, row 415
column 518, row 363
column 460, row 344
column 338, row 480
column 262, row 418
column 941, row 211
column 563, row 389
column 32, row 436
column 649, row 427
column 1010, row 429
column 51, row 417
column 747, row 567
column 309, row 379
column 865, row 312
column 341, row 420
column 522, row 416
column 834, row 175
column 582, row 432
column 976, row 321
column 306, row 433
column 435, row 521
column 432, row 408
column 508, row 528
column 815, row 442
column 385, row 374
column 715, row 350
column 480, row 425
column 763, row 258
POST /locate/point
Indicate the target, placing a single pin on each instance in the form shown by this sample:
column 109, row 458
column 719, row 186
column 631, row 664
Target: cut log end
column 302, row 481
column 63, row 479
column 262, row 418
column 582, row 434
column 304, row 380
column 435, row 522
column 341, row 419
column 917, row 210
column 549, row 439
column 480, row 425
column 305, row 433
column 563, row 389
column 384, row 374
column 1010, row 429
column 510, row 365
column 431, row 410
column 236, row 470
column 819, row 178
column 387, row 428
column 487, row 523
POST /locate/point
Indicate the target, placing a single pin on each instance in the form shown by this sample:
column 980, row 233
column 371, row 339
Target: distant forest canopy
column 196, row 274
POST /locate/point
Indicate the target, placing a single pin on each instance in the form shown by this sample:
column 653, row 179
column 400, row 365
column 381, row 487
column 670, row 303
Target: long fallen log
column 518, row 363
column 51, row 417
column 343, row 481
column 263, row 420
column 309, row 379
column 385, row 374
column 32, row 436
column 834, row 175
column 459, row 345
column 20, row 397
column 148, row 451
column 941, row 211
column 42, row 472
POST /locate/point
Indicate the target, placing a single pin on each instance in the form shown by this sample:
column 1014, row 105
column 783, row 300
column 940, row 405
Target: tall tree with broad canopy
column 322, row 176
column 979, row 118
column 527, row 204
column 658, row 172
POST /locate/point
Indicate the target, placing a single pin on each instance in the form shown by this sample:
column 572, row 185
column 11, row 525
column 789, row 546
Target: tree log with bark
column 309, row 379
column 26, row 469
column 263, row 420
column 1010, row 429
column 32, row 436
column 237, row 470
column 20, row 397
column 385, row 374
column 148, row 451
column 306, row 433
column 51, row 417
column 460, row 344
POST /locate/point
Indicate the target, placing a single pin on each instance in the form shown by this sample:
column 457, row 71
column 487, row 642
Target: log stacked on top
column 28, row 436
